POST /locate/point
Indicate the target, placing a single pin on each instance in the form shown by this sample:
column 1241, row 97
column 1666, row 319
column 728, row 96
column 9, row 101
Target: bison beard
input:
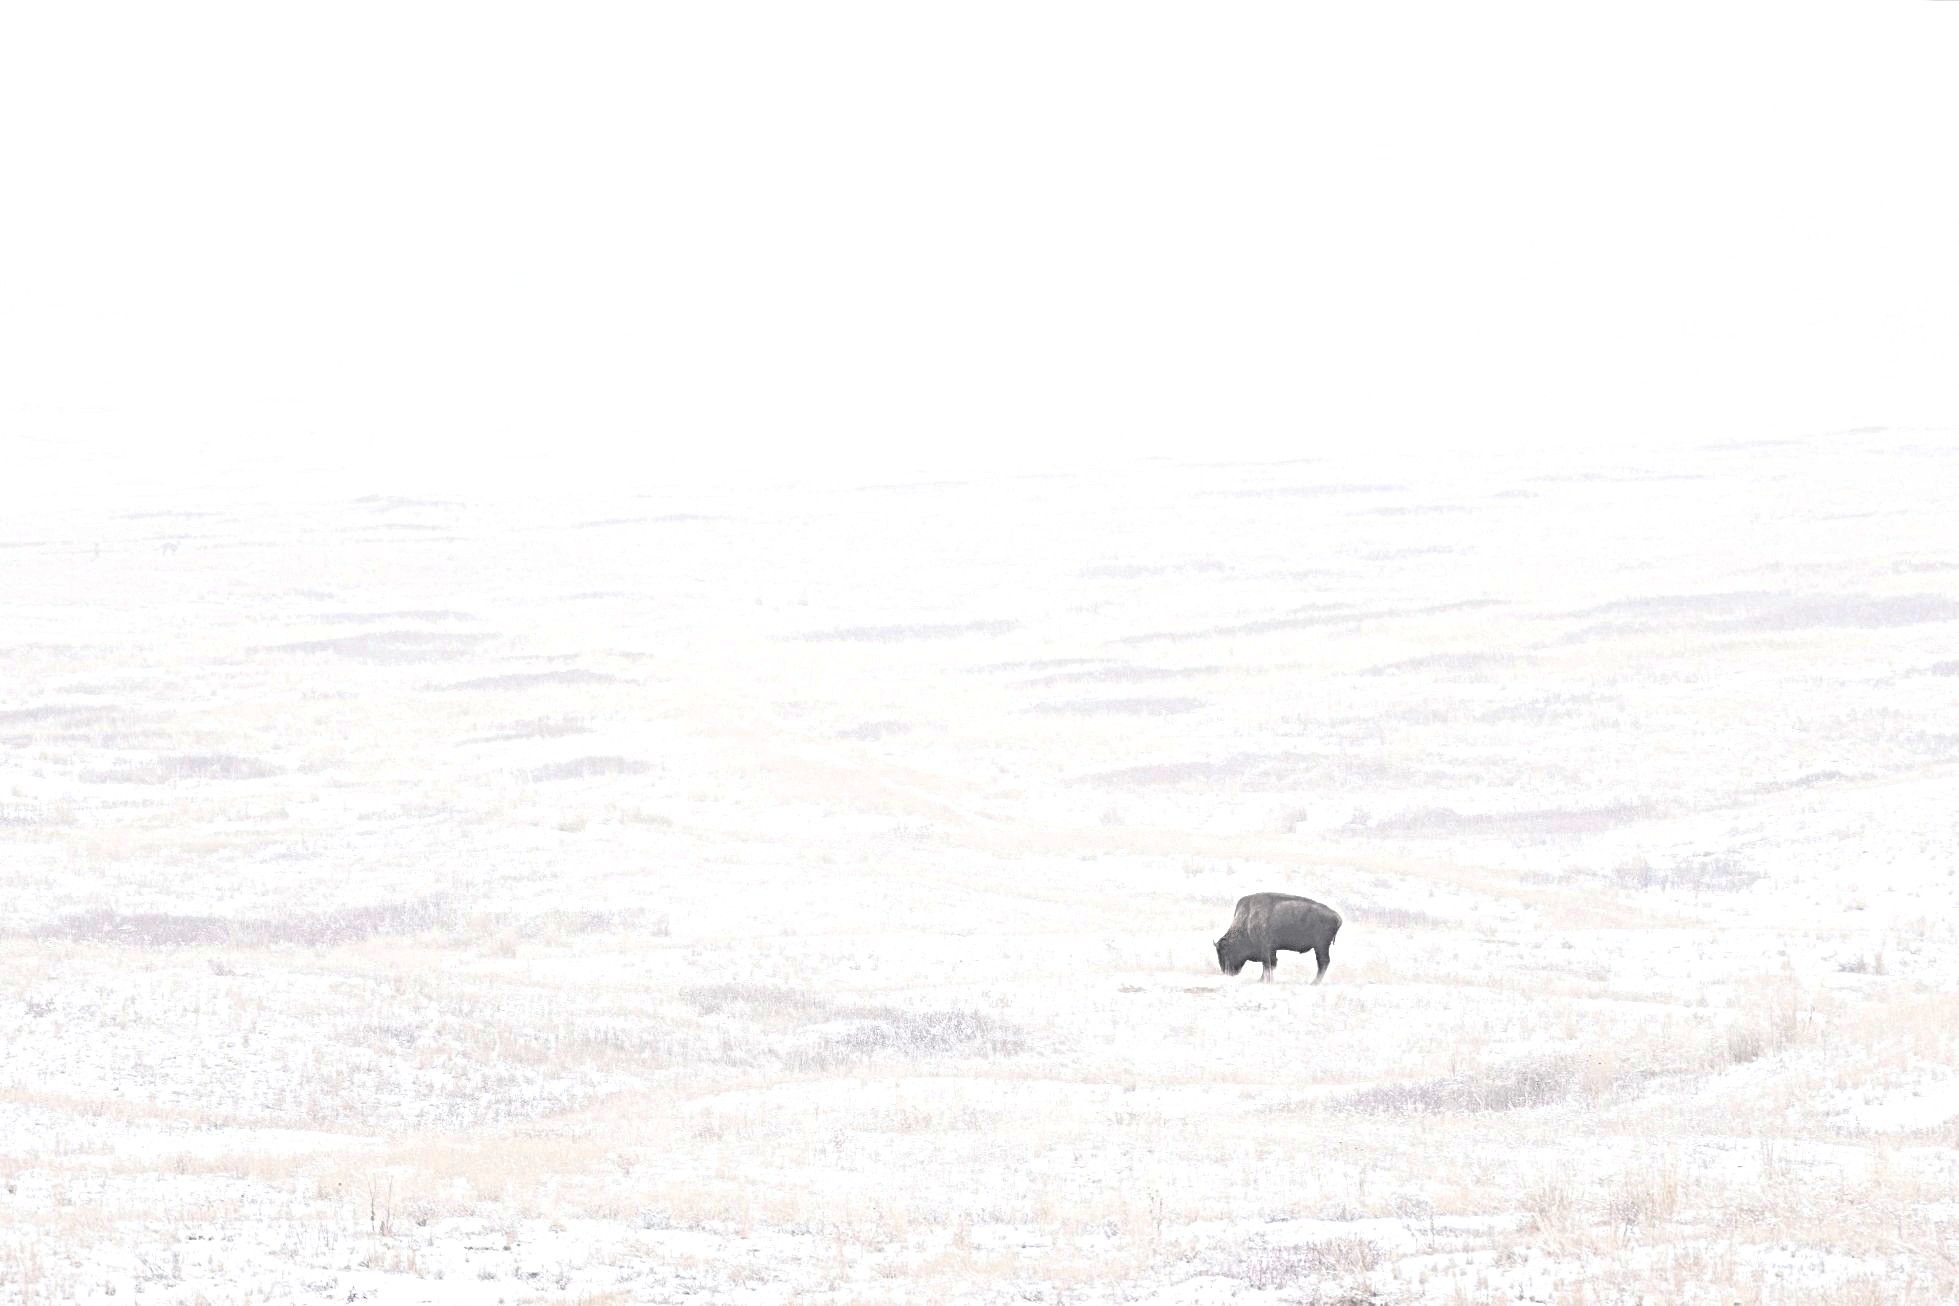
column 1265, row 924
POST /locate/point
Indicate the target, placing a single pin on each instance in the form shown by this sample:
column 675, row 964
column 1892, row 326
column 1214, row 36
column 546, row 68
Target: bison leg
column 1270, row 962
column 1324, row 954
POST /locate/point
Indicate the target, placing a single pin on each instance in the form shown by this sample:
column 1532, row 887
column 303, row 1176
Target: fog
column 646, row 648
column 489, row 244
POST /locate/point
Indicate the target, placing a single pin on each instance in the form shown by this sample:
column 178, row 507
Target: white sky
column 557, row 242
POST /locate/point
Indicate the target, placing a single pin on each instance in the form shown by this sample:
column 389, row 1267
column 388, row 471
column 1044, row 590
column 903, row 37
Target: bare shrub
column 1644, row 1197
column 1705, row 874
column 1637, row 873
column 1780, row 1015
column 1552, row 1205
column 1712, row 873
column 1745, row 1042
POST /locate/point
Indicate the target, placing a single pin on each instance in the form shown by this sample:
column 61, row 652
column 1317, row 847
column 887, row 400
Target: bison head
column 1232, row 954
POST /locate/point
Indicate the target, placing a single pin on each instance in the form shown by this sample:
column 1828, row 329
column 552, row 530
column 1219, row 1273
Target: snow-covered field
column 808, row 896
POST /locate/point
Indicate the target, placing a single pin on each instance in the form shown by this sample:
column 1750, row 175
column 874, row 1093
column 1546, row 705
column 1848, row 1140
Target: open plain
column 807, row 895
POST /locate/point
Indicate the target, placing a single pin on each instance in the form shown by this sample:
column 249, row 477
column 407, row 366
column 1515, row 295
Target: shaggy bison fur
column 1266, row 923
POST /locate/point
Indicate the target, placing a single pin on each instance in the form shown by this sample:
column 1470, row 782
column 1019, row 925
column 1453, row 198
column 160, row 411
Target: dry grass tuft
column 1265, row 1266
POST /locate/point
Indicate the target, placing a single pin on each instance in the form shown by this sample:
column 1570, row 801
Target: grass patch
column 1268, row 1267
column 186, row 766
column 305, row 930
column 341, row 925
column 584, row 768
column 536, row 680
column 390, row 647
column 1442, row 821
column 894, row 634
column 1525, row 1084
column 1119, row 707
column 834, row 1034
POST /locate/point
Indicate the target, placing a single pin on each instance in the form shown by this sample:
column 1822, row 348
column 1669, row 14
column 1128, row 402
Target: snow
column 809, row 896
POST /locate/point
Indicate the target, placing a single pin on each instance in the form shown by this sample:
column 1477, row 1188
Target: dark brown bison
column 1266, row 923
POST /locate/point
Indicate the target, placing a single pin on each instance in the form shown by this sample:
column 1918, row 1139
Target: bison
column 1264, row 923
